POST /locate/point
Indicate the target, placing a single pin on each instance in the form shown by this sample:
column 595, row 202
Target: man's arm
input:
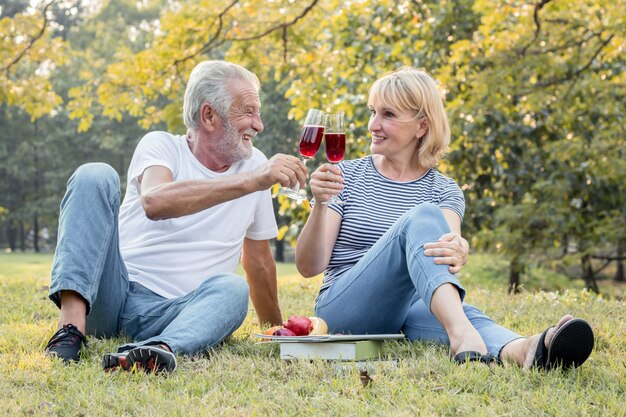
column 162, row 198
column 258, row 262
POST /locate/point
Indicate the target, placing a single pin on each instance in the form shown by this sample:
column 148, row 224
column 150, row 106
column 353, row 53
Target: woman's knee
column 426, row 211
column 424, row 217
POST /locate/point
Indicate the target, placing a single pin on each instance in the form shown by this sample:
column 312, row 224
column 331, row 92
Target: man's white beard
column 232, row 148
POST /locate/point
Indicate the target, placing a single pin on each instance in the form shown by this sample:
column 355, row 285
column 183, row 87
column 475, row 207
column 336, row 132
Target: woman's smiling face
column 394, row 130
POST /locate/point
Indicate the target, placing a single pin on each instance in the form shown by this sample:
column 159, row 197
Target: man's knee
column 236, row 293
column 233, row 289
column 240, row 290
column 95, row 175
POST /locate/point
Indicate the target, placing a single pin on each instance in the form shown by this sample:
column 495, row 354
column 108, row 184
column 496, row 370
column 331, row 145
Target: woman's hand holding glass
column 326, row 182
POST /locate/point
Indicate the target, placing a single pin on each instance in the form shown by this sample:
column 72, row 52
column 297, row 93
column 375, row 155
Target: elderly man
column 195, row 205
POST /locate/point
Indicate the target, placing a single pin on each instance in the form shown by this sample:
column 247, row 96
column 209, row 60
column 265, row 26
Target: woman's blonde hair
column 411, row 89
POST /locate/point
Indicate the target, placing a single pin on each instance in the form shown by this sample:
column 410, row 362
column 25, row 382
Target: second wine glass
column 334, row 144
column 310, row 140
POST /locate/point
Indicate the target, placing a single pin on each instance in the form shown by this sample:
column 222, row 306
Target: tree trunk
column 12, row 235
column 36, row 234
column 588, row 275
column 515, row 271
column 22, row 236
column 619, row 274
column 37, row 193
column 279, row 247
column 279, row 250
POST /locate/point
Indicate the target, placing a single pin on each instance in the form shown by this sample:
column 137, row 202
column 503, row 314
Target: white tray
column 329, row 337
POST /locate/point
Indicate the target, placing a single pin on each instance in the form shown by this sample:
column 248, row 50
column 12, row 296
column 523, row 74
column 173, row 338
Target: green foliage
column 37, row 157
column 28, row 53
column 536, row 100
column 535, row 92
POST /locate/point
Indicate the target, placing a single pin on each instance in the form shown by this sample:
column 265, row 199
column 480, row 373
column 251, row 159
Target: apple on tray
column 299, row 326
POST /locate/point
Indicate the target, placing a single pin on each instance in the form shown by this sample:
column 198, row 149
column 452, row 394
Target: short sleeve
column 155, row 148
column 451, row 197
column 263, row 224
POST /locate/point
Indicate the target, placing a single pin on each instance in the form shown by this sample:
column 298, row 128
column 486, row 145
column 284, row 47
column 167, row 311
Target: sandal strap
column 541, row 354
column 473, row 356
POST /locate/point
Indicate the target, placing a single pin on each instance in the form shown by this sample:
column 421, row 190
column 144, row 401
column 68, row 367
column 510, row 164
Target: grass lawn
column 244, row 378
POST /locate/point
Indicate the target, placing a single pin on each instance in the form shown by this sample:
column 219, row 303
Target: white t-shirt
column 173, row 257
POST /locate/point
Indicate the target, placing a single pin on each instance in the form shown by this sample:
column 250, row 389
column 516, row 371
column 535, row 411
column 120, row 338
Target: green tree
column 536, row 99
column 535, row 94
column 29, row 53
column 37, row 157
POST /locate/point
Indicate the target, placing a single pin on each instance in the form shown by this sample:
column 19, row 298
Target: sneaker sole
column 147, row 358
column 111, row 361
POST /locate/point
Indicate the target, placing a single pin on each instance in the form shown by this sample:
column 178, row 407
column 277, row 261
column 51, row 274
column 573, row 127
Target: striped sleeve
column 451, row 197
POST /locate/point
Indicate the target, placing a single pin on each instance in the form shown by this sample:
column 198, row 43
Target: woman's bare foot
column 467, row 340
column 447, row 308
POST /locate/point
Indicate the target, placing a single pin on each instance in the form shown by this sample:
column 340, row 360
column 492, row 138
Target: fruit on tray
column 318, row 326
column 284, row 332
column 299, row 326
column 272, row 330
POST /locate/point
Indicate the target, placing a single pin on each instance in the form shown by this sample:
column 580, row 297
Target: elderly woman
column 390, row 251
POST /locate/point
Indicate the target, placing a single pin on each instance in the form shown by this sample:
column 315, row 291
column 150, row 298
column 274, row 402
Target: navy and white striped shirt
column 373, row 203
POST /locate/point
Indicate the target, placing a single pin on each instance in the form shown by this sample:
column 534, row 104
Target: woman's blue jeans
column 390, row 289
column 88, row 261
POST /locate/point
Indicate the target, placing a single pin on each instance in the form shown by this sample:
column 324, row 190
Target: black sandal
column 570, row 347
column 473, row 356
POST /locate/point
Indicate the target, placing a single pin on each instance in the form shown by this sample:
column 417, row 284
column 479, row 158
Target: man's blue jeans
column 389, row 289
column 88, row 261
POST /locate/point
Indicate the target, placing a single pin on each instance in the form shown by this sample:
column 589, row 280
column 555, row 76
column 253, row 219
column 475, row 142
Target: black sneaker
column 66, row 343
column 147, row 358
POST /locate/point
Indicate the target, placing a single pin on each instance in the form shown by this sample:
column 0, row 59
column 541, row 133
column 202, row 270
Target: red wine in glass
column 310, row 140
column 335, row 145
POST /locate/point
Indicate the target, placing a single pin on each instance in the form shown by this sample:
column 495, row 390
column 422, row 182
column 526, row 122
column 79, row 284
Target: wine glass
column 310, row 141
column 334, row 144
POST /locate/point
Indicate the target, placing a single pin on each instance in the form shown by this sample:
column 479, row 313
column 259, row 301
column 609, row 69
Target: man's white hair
column 208, row 83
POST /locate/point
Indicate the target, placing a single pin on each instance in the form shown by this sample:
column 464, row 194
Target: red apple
column 301, row 326
column 284, row 332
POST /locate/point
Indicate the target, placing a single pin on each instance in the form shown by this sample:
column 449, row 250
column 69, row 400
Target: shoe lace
column 68, row 335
